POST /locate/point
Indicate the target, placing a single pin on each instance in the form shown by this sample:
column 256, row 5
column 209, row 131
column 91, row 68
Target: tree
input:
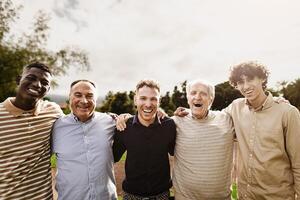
column 118, row 103
column 178, row 97
column 166, row 104
column 291, row 92
column 15, row 53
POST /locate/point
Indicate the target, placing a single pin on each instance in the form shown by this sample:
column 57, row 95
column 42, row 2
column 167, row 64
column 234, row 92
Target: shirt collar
column 137, row 121
column 267, row 103
column 210, row 115
column 76, row 119
column 16, row 112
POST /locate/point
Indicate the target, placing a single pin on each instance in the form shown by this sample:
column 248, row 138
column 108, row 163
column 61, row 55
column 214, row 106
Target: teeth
column 147, row 111
column 33, row 91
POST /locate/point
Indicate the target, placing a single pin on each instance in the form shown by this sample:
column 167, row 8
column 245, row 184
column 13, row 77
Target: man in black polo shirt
column 148, row 142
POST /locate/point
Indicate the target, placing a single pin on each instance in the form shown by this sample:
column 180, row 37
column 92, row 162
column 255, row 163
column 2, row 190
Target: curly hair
column 249, row 69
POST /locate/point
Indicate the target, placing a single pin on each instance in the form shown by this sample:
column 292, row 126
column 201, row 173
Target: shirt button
column 250, row 154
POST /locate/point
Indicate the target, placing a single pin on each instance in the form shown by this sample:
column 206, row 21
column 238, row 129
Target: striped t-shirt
column 25, row 150
column 203, row 157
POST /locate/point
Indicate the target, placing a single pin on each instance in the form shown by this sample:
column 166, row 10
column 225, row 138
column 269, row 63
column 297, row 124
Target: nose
column 148, row 103
column 83, row 99
column 37, row 84
column 245, row 84
column 197, row 96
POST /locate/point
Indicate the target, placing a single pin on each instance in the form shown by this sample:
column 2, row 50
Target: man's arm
column 292, row 145
column 173, row 139
column 118, row 146
column 181, row 112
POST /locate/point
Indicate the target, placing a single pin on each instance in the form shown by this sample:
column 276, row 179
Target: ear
column 18, row 79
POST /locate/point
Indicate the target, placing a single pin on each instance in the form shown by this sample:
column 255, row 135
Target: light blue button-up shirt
column 84, row 158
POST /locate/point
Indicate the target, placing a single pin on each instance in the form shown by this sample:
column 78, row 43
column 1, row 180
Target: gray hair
column 209, row 86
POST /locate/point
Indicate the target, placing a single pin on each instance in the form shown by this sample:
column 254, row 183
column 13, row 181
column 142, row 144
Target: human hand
column 181, row 112
column 161, row 113
column 121, row 121
column 281, row 100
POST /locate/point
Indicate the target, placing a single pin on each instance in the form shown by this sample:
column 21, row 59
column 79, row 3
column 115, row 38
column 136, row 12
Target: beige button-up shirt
column 269, row 149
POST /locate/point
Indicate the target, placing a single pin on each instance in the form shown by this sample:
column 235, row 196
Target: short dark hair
column 38, row 65
column 149, row 83
column 250, row 69
column 82, row 80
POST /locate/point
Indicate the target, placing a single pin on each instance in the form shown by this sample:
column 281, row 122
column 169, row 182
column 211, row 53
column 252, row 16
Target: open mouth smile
column 198, row 105
column 148, row 111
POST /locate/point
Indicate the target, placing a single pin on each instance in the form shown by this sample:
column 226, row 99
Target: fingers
column 161, row 114
column 121, row 121
column 181, row 112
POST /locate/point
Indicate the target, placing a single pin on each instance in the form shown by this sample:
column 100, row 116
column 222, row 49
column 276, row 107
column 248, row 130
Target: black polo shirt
column 147, row 165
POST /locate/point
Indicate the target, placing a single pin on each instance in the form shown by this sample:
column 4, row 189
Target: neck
column 23, row 104
column 146, row 122
column 200, row 116
column 259, row 101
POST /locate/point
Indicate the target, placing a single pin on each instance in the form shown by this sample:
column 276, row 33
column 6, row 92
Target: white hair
column 209, row 86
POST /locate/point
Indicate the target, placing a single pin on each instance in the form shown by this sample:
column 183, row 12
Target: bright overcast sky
column 171, row 40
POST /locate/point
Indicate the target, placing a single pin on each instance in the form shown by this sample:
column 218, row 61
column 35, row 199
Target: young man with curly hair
column 268, row 135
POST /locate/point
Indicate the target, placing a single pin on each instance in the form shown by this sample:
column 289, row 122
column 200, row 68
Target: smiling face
column 83, row 100
column 199, row 99
column 147, row 102
column 252, row 89
column 33, row 85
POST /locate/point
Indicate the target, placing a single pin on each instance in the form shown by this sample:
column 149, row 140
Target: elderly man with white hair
column 204, row 148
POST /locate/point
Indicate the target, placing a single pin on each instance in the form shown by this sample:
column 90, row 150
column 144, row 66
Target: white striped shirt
column 203, row 157
column 25, row 150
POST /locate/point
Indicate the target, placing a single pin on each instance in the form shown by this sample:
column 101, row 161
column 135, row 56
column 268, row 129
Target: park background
column 115, row 43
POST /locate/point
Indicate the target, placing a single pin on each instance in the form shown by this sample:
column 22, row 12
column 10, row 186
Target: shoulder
column 219, row 114
column 63, row 120
column 286, row 108
column 51, row 106
column 104, row 118
column 167, row 121
column 238, row 101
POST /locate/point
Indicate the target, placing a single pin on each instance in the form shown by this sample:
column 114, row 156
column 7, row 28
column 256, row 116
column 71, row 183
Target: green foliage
column 167, row 105
column 118, row 103
column 53, row 161
column 224, row 95
column 15, row 53
column 178, row 97
column 234, row 191
column 291, row 92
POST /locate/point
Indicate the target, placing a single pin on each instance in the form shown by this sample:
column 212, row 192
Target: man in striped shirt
column 203, row 150
column 25, row 126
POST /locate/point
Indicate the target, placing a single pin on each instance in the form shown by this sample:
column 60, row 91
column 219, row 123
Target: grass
column 53, row 161
column 233, row 191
